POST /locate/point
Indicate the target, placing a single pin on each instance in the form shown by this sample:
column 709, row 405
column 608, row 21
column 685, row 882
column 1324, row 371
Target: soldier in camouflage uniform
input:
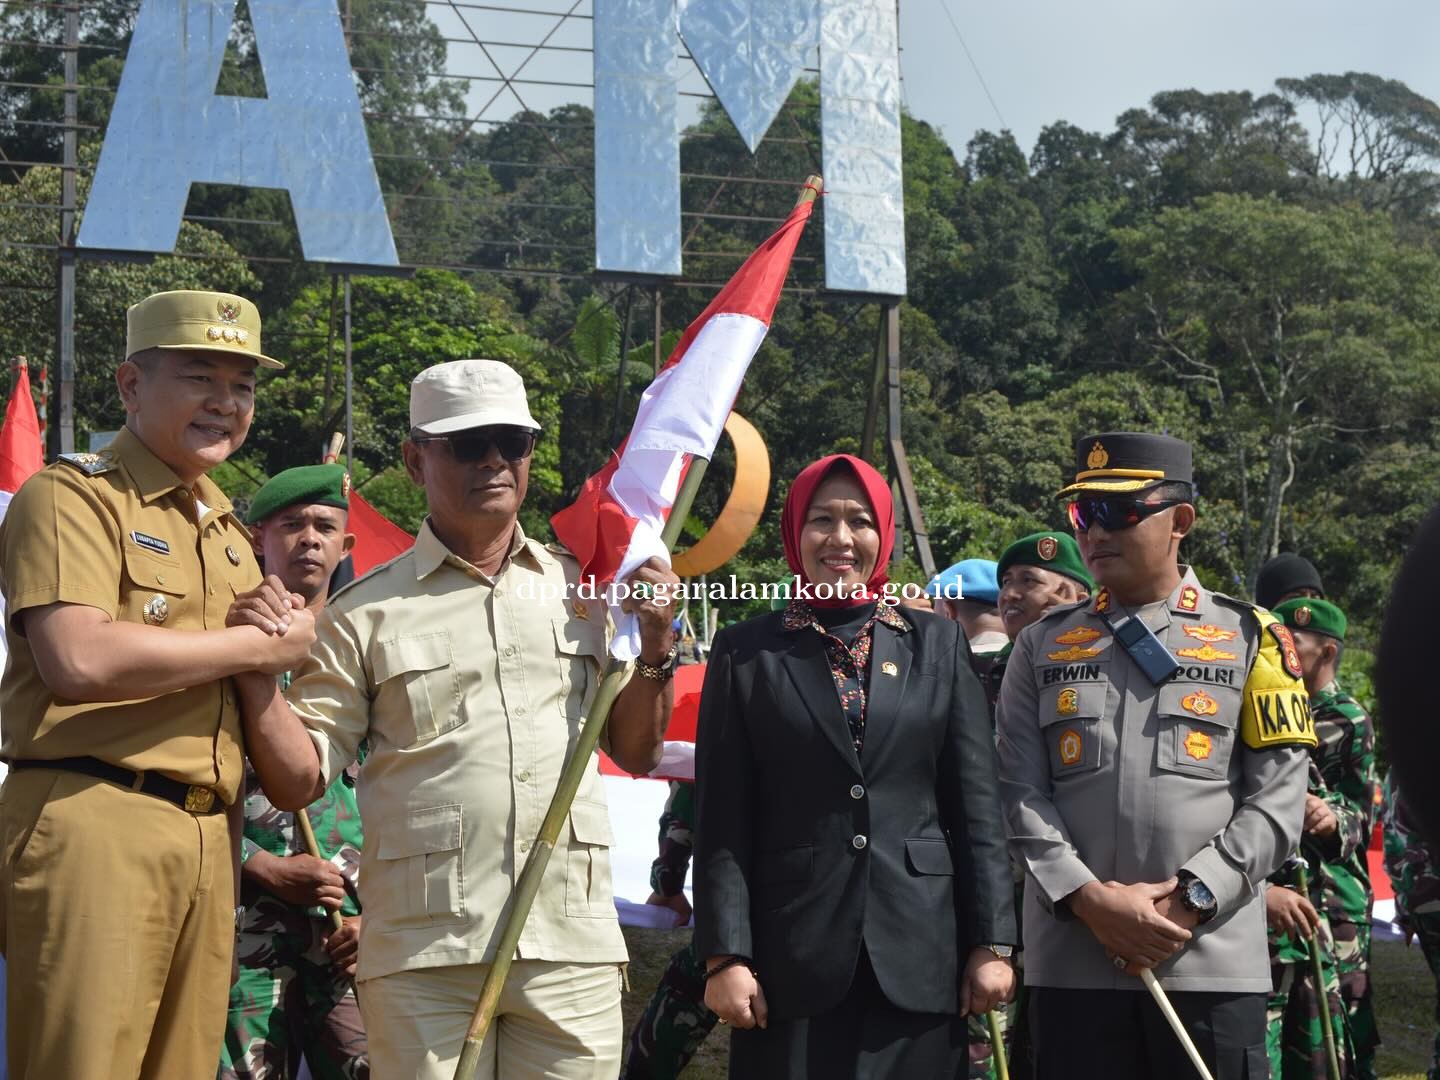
column 1339, row 827
column 676, row 1021
column 1294, row 1036
column 295, row 995
column 1414, row 869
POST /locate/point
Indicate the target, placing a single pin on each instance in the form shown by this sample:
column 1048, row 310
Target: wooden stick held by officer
column 122, row 717
column 469, row 663
column 1152, row 766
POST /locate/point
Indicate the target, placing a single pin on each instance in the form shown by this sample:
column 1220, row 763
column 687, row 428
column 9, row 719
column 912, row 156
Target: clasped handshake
column 285, row 627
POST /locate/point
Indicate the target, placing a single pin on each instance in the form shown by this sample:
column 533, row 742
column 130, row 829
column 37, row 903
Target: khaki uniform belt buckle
column 198, row 800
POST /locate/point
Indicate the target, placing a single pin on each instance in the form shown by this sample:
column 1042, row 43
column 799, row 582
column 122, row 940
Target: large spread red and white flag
column 615, row 524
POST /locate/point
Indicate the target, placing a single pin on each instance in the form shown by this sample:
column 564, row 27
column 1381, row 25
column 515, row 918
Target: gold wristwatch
column 661, row 673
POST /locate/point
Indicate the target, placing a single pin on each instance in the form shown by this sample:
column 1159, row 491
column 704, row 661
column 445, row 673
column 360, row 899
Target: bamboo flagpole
column 528, row 885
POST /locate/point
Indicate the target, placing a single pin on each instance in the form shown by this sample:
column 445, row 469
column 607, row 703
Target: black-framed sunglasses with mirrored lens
column 1113, row 512
column 474, row 445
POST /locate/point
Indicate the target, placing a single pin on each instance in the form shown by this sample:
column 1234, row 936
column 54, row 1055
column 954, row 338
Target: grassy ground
column 1404, row 1000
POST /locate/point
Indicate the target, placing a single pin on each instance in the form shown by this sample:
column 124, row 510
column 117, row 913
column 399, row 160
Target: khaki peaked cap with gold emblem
column 1116, row 462
column 189, row 319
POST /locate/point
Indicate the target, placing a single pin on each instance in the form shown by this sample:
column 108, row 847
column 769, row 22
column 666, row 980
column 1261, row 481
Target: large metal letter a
column 169, row 129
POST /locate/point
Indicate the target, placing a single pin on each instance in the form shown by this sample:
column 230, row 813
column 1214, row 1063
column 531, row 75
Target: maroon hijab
column 797, row 505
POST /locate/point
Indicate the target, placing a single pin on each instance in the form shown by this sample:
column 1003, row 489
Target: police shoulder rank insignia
column 1209, row 632
column 1102, row 600
column 1200, row 703
column 1047, row 547
column 1289, row 656
column 154, row 543
column 1071, row 747
column 90, row 464
column 1198, row 745
column 1206, row 653
column 1189, row 599
column 1075, row 652
column 1080, row 635
column 157, row 610
column 1068, row 703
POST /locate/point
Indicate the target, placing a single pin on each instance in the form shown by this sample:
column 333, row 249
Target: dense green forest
column 1258, row 273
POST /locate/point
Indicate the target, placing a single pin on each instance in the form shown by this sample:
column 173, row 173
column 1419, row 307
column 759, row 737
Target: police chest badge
column 1080, row 635
column 1206, row 653
column 1198, row 745
column 1209, row 632
column 1068, row 703
column 1046, row 548
column 1200, row 703
column 157, row 610
column 1072, row 747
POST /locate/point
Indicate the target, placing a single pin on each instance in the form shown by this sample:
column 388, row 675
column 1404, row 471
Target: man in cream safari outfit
column 470, row 666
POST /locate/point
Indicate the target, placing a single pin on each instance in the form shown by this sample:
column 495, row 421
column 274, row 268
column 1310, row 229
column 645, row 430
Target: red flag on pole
column 377, row 538
column 20, row 451
column 615, row 523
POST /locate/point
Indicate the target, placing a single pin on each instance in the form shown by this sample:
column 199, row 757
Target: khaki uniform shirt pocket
column 417, row 672
column 154, row 592
column 418, row 877
column 580, row 652
column 1070, row 722
column 587, row 863
column 1197, row 725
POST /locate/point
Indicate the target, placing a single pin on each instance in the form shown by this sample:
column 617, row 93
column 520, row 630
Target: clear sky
column 1087, row 62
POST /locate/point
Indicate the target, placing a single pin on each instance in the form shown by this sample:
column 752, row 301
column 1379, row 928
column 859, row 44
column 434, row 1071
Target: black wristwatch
column 1197, row 897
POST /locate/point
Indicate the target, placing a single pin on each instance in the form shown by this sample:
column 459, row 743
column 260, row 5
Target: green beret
column 1309, row 613
column 1055, row 551
column 325, row 485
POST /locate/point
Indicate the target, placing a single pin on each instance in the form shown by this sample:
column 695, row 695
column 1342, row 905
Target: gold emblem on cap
column 1046, row 548
column 345, row 486
column 232, row 555
column 213, row 333
column 1099, row 456
column 228, row 310
column 1302, row 615
column 157, row 610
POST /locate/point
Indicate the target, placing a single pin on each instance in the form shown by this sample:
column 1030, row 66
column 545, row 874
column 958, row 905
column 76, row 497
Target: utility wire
column 945, row 7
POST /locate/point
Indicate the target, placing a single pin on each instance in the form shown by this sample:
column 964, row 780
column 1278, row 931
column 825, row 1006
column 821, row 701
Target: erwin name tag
column 154, row 543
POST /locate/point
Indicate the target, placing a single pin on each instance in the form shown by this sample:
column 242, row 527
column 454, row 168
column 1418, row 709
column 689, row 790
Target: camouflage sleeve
column 1413, row 865
column 667, row 872
column 1352, row 792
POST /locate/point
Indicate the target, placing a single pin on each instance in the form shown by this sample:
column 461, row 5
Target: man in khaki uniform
column 122, row 727
column 470, row 664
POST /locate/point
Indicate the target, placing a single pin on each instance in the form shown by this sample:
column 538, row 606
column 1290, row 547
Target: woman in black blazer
column 853, row 901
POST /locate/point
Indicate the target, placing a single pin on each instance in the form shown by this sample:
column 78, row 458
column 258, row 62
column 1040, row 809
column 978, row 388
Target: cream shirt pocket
column 418, row 687
column 418, row 878
column 580, row 651
column 587, row 863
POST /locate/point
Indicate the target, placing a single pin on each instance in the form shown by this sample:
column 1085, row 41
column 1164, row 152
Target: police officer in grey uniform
column 1152, row 770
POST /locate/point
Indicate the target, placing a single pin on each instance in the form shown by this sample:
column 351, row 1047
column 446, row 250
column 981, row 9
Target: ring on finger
column 641, row 589
column 1120, row 963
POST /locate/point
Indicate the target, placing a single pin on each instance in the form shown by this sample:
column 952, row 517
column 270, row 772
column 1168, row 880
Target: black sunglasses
column 474, row 445
column 1113, row 512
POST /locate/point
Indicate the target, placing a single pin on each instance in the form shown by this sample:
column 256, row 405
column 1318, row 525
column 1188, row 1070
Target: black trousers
column 862, row 1038
column 1122, row 1035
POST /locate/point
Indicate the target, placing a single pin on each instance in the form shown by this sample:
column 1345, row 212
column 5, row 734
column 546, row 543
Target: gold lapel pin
column 889, row 668
column 232, row 555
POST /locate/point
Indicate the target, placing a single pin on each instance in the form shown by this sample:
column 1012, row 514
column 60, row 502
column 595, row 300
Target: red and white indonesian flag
column 615, row 524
